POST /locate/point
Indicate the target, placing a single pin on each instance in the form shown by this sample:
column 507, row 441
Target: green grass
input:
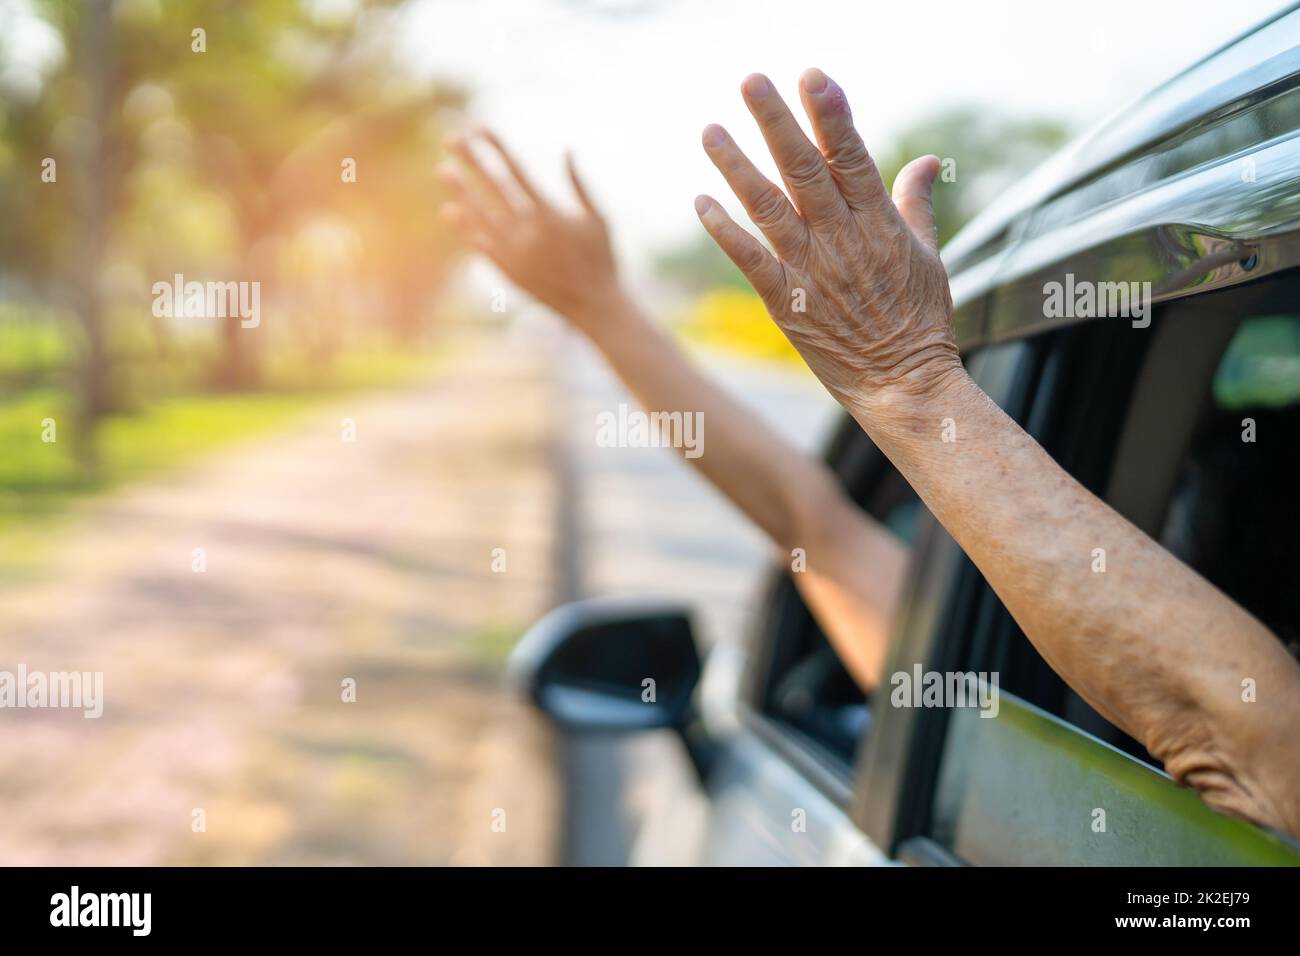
column 30, row 351
column 169, row 415
column 38, row 479
column 493, row 644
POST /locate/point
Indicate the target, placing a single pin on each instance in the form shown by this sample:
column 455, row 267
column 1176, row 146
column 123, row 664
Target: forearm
column 1147, row 641
column 773, row 483
column 852, row 567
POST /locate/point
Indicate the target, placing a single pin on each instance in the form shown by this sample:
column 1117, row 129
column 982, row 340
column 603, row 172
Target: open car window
column 1234, row 515
column 806, row 688
column 1221, row 433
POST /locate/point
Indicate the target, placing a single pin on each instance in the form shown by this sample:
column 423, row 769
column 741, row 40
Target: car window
column 1234, row 514
column 1229, row 509
column 1080, row 398
column 807, row 688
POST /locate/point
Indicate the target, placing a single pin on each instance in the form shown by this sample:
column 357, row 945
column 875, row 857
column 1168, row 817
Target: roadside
column 649, row 525
column 324, row 560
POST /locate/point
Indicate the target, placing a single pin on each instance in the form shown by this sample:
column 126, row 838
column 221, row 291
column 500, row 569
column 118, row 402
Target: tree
column 981, row 156
column 208, row 140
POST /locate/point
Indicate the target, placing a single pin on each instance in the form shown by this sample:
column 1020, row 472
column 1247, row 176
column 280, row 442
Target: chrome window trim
column 1183, row 229
column 829, row 774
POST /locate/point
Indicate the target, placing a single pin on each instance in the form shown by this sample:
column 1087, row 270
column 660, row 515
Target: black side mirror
column 610, row 665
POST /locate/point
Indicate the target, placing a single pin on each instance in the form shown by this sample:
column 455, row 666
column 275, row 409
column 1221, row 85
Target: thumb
column 912, row 189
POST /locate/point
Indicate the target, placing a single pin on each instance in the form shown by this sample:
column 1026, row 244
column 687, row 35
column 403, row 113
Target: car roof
column 1220, row 83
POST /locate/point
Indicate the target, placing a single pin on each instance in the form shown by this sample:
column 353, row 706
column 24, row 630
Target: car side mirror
column 610, row 665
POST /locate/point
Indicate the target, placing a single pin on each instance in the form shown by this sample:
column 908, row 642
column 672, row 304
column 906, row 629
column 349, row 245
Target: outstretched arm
column 1157, row 649
column 854, row 566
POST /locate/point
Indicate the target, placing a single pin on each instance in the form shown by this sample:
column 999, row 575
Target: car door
column 788, row 785
column 1158, row 422
column 899, row 759
column 780, row 790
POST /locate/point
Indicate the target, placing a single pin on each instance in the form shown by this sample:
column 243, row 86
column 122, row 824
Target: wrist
column 608, row 317
column 917, row 402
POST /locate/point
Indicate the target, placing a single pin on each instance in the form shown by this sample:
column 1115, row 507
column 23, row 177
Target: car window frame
column 899, row 760
column 1161, row 801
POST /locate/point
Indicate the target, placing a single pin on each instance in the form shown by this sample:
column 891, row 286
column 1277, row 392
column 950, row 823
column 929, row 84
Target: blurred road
column 225, row 737
column 648, row 525
column 325, row 561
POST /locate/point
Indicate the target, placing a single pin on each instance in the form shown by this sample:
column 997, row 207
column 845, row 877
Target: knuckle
column 768, row 207
column 752, row 261
column 805, row 168
column 797, row 248
column 851, row 157
column 752, row 264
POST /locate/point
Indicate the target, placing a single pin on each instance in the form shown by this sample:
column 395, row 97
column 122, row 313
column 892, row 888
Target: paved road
column 325, row 561
column 328, row 560
column 649, row 525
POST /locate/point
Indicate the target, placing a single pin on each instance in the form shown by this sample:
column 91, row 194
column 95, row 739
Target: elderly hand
column 563, row 258
column 856, row 283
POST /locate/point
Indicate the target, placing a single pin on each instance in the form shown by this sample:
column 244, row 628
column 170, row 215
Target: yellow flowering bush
column 734, row 320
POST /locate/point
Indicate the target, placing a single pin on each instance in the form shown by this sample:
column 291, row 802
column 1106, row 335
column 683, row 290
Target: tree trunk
column 94, row 201
column 239, row 368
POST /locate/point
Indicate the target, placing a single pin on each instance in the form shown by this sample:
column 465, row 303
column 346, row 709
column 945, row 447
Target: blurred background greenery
column 232, row 167
column 165, row 162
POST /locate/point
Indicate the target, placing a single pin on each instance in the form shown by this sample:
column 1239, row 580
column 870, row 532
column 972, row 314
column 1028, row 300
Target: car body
column 1195, row 189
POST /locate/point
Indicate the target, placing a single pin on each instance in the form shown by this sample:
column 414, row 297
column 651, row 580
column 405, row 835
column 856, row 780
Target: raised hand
column 563, row 258
column 856, row 282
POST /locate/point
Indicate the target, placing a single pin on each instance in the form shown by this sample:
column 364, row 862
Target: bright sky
column 629, row 84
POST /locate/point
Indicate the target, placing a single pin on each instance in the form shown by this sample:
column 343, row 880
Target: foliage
column 225, row 164
column 983, row 156
column 173, row 428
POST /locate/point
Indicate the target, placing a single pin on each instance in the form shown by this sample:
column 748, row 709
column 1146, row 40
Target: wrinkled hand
column 876, row 319
column 563, row 258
